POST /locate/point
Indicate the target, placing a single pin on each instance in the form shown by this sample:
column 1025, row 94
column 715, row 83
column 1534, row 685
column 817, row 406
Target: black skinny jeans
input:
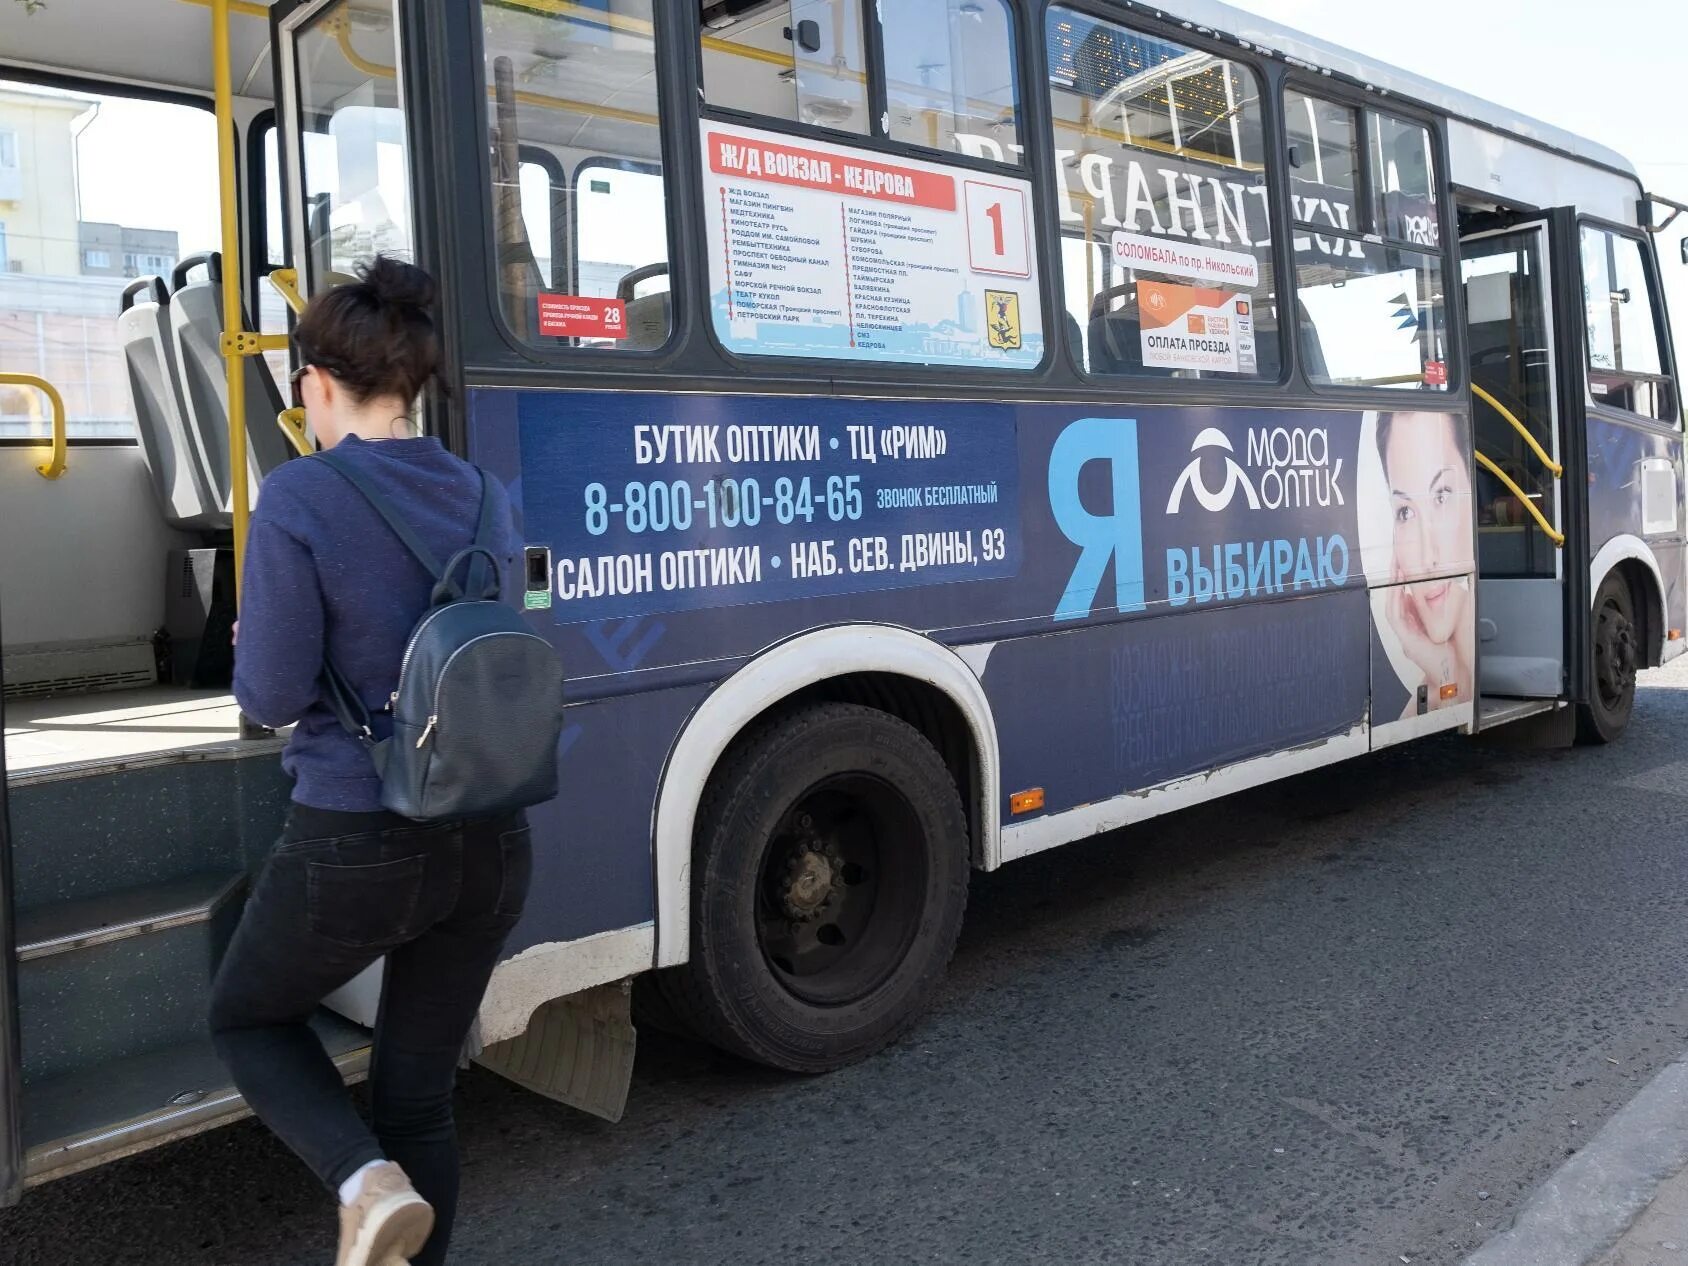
column 340, row 891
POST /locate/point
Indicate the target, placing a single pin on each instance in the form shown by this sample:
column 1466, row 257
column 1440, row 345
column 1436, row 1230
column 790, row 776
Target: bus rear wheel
column 1615, row 647
column 829, row 882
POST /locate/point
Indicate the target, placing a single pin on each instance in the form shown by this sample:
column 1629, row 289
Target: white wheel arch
column 775, row 674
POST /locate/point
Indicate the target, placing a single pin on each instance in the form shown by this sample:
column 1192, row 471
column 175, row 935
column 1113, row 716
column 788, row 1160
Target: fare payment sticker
column 1190, row 327
column 581, row 316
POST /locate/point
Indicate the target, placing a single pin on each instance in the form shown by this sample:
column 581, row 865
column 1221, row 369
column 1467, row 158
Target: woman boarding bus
column 937, row 433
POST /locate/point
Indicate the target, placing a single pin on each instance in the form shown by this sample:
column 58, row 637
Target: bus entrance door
column 1518, row 430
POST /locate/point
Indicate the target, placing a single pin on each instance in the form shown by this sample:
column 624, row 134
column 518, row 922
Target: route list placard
column 822, row 250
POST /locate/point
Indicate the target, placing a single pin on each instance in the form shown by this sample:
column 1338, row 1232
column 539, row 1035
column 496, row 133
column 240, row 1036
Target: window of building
column 1371, row 312
column 802, row 62
column 950, row 78
column 11, row 175
column 1166, row 217
column 1626, row 362
column 85, row 150
column 546, row 121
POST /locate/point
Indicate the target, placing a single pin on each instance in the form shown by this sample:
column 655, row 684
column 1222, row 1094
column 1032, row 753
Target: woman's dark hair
column 1386, row 424
column 376, row 334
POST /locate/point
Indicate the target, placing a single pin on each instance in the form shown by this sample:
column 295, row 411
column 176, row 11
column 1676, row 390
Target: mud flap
column 577, row 1050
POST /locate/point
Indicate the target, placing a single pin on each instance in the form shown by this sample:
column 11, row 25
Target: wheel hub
column 813, row 877
column 1615, row 651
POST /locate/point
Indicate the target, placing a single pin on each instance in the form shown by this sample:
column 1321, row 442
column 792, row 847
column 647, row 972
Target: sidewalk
column 1659, row 1236
column 1620, row 1201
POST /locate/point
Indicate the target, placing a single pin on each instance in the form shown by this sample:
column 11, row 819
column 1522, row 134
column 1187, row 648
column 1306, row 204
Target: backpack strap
column 352, row 475
column 485, row 549
column 348, row 708
column 354, row 718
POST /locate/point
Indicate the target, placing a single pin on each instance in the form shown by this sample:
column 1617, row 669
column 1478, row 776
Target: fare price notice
column 673, row 516
column 821, row 250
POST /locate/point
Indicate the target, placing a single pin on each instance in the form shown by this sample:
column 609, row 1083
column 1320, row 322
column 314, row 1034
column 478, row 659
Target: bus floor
column 115, row 728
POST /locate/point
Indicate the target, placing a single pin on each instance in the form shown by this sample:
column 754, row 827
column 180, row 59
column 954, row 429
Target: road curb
column 1594, row 1197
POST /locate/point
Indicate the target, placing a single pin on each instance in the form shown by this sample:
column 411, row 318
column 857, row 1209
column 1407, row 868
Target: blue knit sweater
column 324, row 573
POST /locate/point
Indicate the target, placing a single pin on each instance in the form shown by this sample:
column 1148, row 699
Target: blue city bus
column 941, row 429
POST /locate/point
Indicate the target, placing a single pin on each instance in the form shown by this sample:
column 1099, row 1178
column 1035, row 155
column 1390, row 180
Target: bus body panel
column 1046, row 542
column 1115, row 708
column 1635, row 510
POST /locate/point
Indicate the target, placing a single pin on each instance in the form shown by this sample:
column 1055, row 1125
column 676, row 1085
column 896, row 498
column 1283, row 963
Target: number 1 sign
column 997, row 241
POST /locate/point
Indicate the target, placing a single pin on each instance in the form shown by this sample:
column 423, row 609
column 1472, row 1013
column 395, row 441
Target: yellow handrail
column 234, row 320
column 1553, row 534
column 55, row 464
column 286, row 283
column 1535, row 447
column 246, row 8
column 292, row 424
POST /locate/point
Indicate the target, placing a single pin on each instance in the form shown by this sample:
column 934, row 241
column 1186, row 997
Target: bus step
column 116, row 916
column 101, row 978
column 128, row 1105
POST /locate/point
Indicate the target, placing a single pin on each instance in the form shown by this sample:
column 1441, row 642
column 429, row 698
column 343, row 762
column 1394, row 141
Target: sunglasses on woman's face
column 293, row 381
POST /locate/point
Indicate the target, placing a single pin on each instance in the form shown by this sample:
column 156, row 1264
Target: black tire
column 828, row 885
column 1615, row 652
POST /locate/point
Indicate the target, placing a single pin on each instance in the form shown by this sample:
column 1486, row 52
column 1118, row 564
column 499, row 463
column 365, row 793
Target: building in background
column 57, row 317
column 116, row 250
column 38, row 196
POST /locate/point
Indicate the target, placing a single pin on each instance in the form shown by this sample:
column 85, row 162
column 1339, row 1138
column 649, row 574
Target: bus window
column 949, row 76
column 1324, row 159
column 544, row 207
column 272, row 311
column 621, row 237
column 579, row 85
column 356, row 186
column 802, row 62
column 1626, row 368
column 84, row 213
column 1371, row 316
column 1371, row 313
column 1160, row 151
column 1403, row 181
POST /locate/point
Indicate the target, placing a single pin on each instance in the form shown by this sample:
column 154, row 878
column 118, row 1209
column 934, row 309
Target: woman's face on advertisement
column 1430, row 501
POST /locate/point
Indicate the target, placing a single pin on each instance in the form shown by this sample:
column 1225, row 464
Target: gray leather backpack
column 478, row 707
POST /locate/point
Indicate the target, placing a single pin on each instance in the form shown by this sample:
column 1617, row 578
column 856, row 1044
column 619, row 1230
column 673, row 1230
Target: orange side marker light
column 1675, row 635
column 1451, row 690
column 1026, row 801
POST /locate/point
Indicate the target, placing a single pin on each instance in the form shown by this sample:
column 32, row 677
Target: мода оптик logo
column 1191, row 477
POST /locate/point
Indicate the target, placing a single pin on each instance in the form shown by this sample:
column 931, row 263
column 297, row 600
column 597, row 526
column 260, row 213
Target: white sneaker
column 387, row 1224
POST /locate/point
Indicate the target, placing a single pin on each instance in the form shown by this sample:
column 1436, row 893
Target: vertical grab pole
column 234, row 326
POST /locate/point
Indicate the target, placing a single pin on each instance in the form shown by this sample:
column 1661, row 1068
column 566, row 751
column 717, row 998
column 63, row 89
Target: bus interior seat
column 648, row 316
column 196, row 321
column 1116, row 337
column 143, row 331
column 647, row 322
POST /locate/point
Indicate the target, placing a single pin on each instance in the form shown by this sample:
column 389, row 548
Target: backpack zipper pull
column 427, row 730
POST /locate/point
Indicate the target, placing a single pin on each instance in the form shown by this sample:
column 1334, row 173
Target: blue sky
column 1617, row 80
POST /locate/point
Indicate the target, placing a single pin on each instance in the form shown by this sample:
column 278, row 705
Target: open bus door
column 11, row 1056
column 1521, row 296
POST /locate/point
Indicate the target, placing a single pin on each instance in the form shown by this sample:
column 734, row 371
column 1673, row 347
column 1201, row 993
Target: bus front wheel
column 1615, row 646
column 829, row 881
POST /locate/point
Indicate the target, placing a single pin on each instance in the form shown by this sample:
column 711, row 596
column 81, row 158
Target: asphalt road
column 1352, row 1018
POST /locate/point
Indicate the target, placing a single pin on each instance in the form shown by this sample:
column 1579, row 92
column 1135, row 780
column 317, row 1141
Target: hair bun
column 392, row 282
